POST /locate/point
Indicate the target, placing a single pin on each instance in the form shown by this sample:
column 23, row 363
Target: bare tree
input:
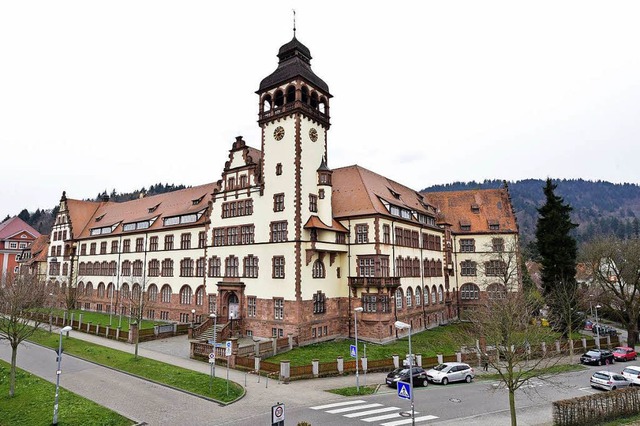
column 139, row 303
column 20, row 294
column 616, row 269
column 503, row 322
column 566, row 318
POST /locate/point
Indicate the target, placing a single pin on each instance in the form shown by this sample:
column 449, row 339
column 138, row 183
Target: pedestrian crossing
column 372, row 412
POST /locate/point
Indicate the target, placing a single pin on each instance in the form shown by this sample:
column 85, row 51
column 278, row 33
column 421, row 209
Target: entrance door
column 234, row 306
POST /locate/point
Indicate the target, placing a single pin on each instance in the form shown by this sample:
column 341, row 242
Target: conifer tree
column 558, row 252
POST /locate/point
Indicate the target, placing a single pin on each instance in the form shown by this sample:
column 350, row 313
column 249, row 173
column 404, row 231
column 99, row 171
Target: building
column 15, row 235
column 280, row 245
column 33, row 259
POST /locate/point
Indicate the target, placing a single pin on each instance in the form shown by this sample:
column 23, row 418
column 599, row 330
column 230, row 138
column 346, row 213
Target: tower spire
column 294, row 23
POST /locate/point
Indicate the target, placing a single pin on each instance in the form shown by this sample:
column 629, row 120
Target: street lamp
column 590, row 305
column 404, row 326
column 355, row 316
column 58, row 372
column 193, row 317
column 215, row 331
column 598, row 325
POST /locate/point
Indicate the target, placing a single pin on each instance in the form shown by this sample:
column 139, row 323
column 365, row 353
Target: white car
column 606, row 380
column 632, row 374
column 451, row 372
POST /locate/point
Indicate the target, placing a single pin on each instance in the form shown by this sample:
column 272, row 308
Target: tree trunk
column 12, row 373
column 512, row 407
column 632, row 332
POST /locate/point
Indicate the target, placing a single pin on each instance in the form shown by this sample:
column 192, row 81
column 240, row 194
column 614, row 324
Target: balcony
column 291, row 107
column 374, row 282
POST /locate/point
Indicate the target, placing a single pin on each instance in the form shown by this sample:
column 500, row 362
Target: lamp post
column 590, row 305
column 215, row 332
column 58, row 372
column 193, row 317
column 404, row 326
column 355, row 319
column 598, row 326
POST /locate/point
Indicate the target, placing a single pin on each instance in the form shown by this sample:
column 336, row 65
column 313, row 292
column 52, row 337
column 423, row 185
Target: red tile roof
column 14, row 226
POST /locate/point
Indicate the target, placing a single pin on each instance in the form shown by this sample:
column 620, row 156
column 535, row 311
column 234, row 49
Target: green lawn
column 103, row 319
column 33, row 404
column 444, row 340
column 181, row 378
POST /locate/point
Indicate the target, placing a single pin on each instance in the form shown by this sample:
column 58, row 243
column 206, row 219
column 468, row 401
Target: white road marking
column 388, row 416
column 359, row 407
column 408, row 421
column 368, row 413
column 337, row 404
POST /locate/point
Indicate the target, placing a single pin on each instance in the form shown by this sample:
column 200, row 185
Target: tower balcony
column 291, row 107
column 374, row 282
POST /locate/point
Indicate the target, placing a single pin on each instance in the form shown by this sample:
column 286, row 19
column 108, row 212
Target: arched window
column 291, row 94
column 152, row 293
column 135, row 291
column 266, row 103
column 318, row 269
column 165, row 294
column 101, row 290
column 104, row 268
column 113, row 268
column 124, row 290
column 110, row 290
column 185, row 295
column 496, row 291
column 433, row 295
column 89, row 270
column 126, row 268
column 88, row 291
column 80, row 289
column 418, row 296
column 314, row 100
column 322, row 106
column 440, row 294
column 399, row 298
column 137, row 268
column 409, row 297
column 200, row 296
column 305, row 94
column 469, row 291
column 82, row 268
column 279, row 98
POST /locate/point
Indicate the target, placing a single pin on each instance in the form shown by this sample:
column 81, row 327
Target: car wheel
column 468, row 379
column 613, row 388
column 599, row 362
column 445, row 381
column 607, row 361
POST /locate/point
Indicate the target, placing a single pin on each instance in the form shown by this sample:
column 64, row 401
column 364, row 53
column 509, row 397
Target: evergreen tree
column 24, row 215
column 558, row 252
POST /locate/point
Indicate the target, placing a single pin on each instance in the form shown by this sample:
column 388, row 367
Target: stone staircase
column 208, row 333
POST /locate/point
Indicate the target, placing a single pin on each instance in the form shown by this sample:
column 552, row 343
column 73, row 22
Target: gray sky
column 125, row 94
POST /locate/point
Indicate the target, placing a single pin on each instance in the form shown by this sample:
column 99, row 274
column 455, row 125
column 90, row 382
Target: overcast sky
column 125, row 94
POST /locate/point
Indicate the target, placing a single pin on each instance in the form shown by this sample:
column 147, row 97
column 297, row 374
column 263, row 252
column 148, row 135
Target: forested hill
column 599, row 208
column 42, row 219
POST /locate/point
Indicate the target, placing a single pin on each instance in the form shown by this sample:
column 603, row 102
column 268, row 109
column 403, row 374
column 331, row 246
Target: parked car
column 451, row 372
column 597, row 357
column 607, row 380
column 402, row 375
column 632, row 374
column 624, row 353
column 604, row 330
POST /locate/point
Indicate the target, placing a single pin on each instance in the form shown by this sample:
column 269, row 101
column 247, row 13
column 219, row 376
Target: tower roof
column 295, row 61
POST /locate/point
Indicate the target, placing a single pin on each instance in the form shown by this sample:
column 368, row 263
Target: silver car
column 451, row 372
column 607, row 380
column 632, row 374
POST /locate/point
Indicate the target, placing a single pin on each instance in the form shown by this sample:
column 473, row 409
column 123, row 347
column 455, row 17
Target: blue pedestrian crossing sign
column 404, row 390
column 352, row 349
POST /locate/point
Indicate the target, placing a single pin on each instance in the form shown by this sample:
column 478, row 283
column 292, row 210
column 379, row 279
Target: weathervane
column 294, row 23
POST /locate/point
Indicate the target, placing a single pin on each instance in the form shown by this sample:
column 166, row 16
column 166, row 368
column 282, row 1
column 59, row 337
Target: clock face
column 313, row 135
column 278, row 133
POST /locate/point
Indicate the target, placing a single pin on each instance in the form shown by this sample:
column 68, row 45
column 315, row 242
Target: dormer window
column 99, row 218
column 494, row 225
column 465, row 225
column 197, row 201
column 154, row 208
column 475, row 208
column 394, row 193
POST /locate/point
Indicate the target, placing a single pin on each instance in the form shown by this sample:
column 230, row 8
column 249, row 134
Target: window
column 386, row 234
column 385, row 304
column 366, row 267
column 185, row 295
column 433, row 295
column 409, row 298
column 319, row 303
column 83, row 250
column 164, row 315
column 186, row 267
column 113, row 268
column 137, row 268
column 497, row 244
column 495, row 268
column 214, row 266
column 165, row 294
column 103, row 247
column 278, row 267
column 318, row 269
column 114, row 246
column 200, row 267
column 251, row 306
column 232, row 236
column 92, row 248
column 126, row 246
column 418, row 296
column 89, row 290
column 278, row 169
column 313, row 203
column 369, row 303
column 218, row 237
column 278, row 309
column 250, row 267
column 231, row 266
column 399, row 298
column 321, row 193
column 152, row 293
column 168, row 242
column 278, row 202
column 362, row 233
column 139, row 245
column 384, row 266
column 496, row 291
column 469, row 291
column 467, row 245
column 440, row 294
column 126, row 268
column 153, row 244
column 167, row 268
column 125, row 290
column 278, row 231
column 185, row 241
column 135, row 292
column 202, row 239
column 243, row 181
column 247, row 234
column 468, row 268
column 200, row 296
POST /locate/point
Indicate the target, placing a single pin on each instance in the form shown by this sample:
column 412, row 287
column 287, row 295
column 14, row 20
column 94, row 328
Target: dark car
column 402, row 375
column 597, row 357
column 604, row 330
